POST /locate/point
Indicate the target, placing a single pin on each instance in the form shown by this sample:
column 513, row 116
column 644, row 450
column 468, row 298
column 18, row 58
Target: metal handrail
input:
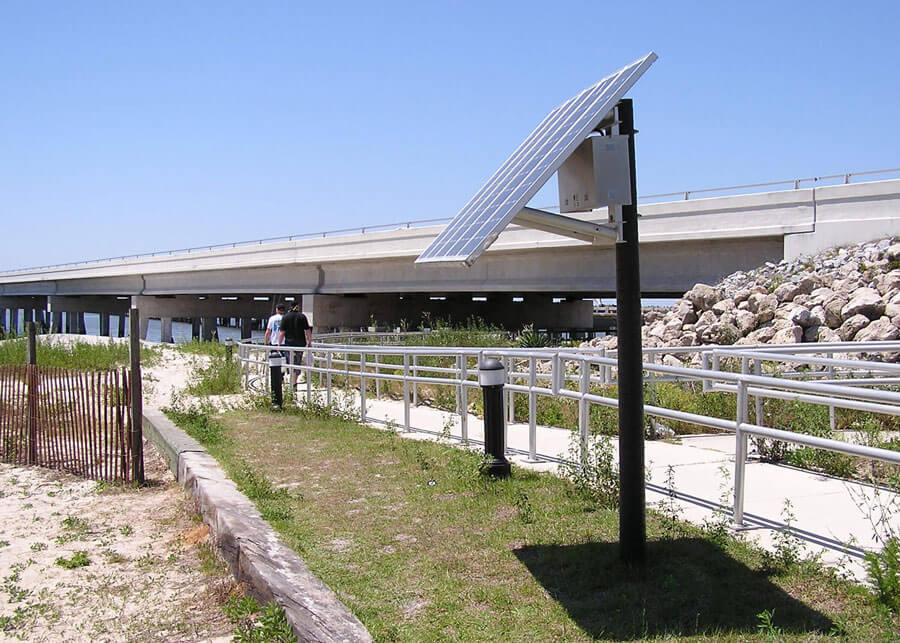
column 831, row 394
column 425, row 222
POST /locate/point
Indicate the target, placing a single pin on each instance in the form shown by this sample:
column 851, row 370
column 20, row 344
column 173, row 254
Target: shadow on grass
column 688, row 587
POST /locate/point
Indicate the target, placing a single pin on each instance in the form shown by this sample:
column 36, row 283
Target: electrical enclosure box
column 596, row 175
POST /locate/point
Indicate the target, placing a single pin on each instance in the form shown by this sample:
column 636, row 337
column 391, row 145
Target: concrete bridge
column 349, row 279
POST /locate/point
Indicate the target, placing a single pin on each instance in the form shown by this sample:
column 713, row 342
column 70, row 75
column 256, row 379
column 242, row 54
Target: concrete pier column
column 68, row 325
column 165, row 330
column 3, row 325
column 145, row 325
column 195, row 328
column 79, row 320
column 56, row 325
column 104, row 324
column 27, row 314
column 246, row 327
column 209, row 327
column 122, row 319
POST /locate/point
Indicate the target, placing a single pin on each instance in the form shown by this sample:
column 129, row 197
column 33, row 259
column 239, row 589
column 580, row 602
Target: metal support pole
column 740, row 454
column 328, row 377
column 362, row 388
column 532, row 410
column 491, row 377
column 415, row 387
column 464, row 395
column 137, row 400
column 406, row 391
column 584, row 416
column 632, row 519
column 757, row 370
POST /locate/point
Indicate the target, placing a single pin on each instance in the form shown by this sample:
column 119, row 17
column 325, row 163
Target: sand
column 145, row 546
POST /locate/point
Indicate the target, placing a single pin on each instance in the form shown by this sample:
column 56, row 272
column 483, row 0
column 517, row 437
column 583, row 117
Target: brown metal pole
column 137, row 406
column 31, row 418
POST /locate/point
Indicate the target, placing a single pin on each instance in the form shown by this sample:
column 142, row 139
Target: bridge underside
column 510, row 289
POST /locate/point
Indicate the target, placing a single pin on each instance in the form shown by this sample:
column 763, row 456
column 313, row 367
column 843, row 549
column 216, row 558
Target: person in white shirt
column 273, row 326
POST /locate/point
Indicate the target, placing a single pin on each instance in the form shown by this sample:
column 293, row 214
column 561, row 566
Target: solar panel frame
column 490, row 210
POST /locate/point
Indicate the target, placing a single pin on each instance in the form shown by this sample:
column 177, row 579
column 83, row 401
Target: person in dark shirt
column 295, row 331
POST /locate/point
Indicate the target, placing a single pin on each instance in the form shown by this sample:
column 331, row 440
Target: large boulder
column 852, row 326
column 746, row 321
column 792, row 335
column 865, row 301
column 703, row 297
column 833, row 308
column 880, row 330
column 799, row 316
column 761, row 335
column 786, row 292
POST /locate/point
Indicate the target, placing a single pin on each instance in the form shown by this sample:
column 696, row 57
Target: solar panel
column 499, row 200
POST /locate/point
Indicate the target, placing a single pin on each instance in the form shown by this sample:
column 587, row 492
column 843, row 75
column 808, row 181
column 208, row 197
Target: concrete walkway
column 828, row 514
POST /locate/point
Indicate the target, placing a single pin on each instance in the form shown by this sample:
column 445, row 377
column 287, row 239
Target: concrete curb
column 252, row 549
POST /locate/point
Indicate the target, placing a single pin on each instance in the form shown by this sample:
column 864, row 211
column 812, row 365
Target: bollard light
column 276, row 378
column 492, row 378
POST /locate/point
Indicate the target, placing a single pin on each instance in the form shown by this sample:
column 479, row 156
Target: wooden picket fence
column 75, row 421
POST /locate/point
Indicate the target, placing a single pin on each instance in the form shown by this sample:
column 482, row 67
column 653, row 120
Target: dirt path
column 151, row 575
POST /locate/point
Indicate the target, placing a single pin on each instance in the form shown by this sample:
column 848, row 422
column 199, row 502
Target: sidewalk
column 827, row 514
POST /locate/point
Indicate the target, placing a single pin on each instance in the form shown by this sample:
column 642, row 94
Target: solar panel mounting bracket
column 595, row 233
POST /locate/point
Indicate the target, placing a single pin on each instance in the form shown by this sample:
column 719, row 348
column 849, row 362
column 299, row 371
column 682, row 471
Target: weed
column 38, row 546
column 530, row 338
column 218, row 377
column 74, row 528
column 787, row 545
column 883, row 568
column 78, row 559
column 718, row 528
column 240, row 607
column 210, row 563
column 271, row 626
column 526, row 511
column 126, row 530
column 766, row 626
column 4, row 543
column 595, row 473
column 670, row 508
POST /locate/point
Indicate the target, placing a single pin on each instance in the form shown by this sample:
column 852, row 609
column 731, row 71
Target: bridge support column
column 209, row 328
column 68, row 324
column 195, row 328
column 104, row 324
column 165, row 330
column 121, row 329
column 56, row 323
column 3, row 319
column 79, row 321
column 145, row 325
column 246, row 327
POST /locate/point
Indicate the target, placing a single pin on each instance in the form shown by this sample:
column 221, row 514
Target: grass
column 78, row 355
column 422, row 548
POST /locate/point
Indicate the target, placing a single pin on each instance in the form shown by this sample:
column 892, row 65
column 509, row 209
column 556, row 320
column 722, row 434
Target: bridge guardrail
column 684, row 195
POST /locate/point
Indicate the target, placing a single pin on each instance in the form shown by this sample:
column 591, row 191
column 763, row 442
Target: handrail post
column 415, row 373
column 740, row 454
column 362, row 388
column 406, row 391
column 511, row 402
column 464, row 396
column 328, row 354
column 532, row 409
column 832, row 419
column 308, row 360
column 377, row 379
column 584, row 385
column 757, row 370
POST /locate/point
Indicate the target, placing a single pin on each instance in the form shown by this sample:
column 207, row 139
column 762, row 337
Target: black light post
column 632, row 521
column 491, row 378
column 276, row 379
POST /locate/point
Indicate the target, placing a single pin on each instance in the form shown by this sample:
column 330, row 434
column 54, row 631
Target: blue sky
column 135, row 126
